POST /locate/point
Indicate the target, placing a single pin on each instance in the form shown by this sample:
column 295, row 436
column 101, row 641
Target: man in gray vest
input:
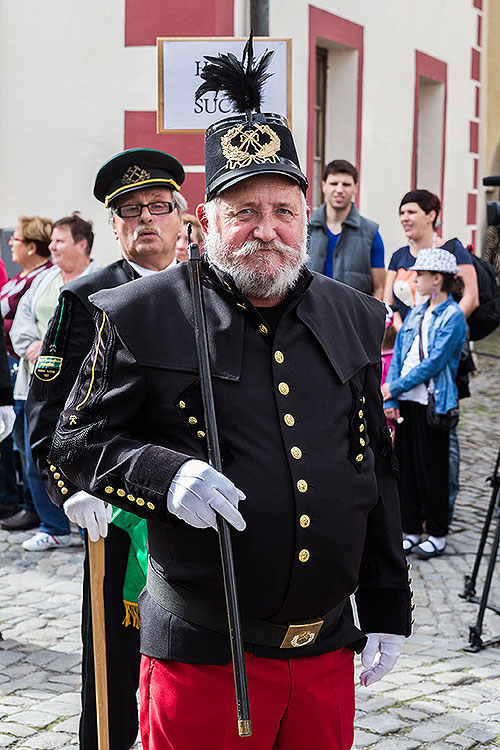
column 342, row 243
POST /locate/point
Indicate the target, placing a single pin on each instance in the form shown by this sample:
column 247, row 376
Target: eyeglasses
column 155, row 209
column 13, row 239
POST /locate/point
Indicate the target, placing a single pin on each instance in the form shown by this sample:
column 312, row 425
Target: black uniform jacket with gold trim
column 67, row 342
column 304, row 435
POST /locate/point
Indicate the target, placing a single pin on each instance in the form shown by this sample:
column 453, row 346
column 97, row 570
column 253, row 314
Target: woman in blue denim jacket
column 425, row 359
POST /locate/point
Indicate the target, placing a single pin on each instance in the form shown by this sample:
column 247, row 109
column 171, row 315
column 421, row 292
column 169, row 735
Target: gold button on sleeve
column 278, row 356
column 362, row 442
column 121, row 493
column 289, row 420
column 359, row 457
column 304, row 555
column 263, row 329
column 360, row 413
column 363, row 400
column 64, row 490
column 182, row 404
column 200, row 434
column 284, row 389
column 131, row 498
column 296, row 452
column 192, row 420
column 60, row 483
column 57, row 475
column 304, row 521
column 150, row 506
column 361, row 428
column 52, row 467
column 302, row 485
column 140, row 501
column 109, row 490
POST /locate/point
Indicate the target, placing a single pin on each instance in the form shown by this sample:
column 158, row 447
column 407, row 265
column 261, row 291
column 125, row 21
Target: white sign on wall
column 180, row 62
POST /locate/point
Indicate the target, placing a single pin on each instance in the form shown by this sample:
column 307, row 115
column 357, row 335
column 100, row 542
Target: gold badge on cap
column 135, row 174
column 242, row 145
column 48, row 368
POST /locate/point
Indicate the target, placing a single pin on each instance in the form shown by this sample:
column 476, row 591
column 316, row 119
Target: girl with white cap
column 423, row 370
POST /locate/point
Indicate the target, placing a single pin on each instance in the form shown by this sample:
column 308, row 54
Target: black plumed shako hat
column 250, row 142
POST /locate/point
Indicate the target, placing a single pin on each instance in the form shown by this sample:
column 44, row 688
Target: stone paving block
column 398, row 743
column 34, row 718
column 460, row 740
column 381, row 723
column 364, row 739
column 482, row 733
column 18, row 730
column 48, row 741
column 455, row 678
column 408, row 713
column 434, row 730
column 373, row 703
column 65, row 661
column 7, row 740
column 70, row 726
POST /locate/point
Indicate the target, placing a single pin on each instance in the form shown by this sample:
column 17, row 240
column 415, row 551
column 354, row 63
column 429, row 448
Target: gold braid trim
column 93, row 363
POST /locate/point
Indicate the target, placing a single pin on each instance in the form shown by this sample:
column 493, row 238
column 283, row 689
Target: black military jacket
column 303, row 434
column 67, row 342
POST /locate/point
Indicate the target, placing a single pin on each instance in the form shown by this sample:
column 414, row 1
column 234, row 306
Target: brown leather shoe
column 6, row 511
column 24, row 519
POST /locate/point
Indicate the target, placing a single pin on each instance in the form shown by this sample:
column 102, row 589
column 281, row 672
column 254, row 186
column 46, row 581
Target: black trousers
column 422, row 453
column 122, row 652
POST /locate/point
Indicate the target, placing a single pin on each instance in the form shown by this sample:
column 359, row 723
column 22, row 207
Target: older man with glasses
column 140, row 187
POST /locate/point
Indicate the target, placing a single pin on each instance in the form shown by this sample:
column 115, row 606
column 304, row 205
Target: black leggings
column 422, row 453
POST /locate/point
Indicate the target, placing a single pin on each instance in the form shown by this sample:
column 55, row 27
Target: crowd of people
column 109, row 433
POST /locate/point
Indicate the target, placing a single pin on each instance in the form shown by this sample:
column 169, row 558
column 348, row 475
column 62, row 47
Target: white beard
column 262, row 280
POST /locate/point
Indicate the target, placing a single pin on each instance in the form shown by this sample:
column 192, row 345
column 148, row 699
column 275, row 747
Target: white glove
column 389, row 647
column 197, row 491
column 90, row 513
column 7, row 419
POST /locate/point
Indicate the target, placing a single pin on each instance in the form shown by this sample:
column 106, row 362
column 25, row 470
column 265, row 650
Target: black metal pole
column 214, row 459
column 259, row 17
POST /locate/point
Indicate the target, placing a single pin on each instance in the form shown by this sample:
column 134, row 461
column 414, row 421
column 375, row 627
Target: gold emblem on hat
column 242, row 145
column 135, row 174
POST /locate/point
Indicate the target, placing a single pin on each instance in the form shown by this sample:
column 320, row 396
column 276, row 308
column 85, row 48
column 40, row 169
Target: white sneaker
column 42, row 541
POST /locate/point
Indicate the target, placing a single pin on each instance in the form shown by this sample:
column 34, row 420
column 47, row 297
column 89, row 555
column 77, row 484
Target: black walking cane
column 214, row 459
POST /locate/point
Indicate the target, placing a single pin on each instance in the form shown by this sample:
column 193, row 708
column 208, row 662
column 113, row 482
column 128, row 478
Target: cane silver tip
column 244, row 727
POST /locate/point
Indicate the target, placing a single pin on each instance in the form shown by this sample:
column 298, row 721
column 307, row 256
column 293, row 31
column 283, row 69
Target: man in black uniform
column 141, row 189
column 296, row 375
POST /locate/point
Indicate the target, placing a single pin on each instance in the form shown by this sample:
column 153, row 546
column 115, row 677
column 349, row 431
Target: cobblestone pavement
column 438, row 696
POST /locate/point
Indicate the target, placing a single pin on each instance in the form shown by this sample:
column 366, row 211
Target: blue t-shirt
column 405, row 295
column 376, row 252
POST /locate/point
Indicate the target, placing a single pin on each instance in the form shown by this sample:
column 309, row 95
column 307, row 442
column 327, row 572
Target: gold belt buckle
column 301, row 635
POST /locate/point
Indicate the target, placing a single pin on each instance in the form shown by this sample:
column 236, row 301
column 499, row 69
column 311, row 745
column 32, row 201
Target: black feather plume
column 241, row 82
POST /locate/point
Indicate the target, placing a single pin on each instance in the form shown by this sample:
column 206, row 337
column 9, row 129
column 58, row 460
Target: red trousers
column 295, row 704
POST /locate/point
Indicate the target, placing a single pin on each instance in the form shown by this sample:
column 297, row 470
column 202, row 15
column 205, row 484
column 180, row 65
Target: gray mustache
column 146, row 228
